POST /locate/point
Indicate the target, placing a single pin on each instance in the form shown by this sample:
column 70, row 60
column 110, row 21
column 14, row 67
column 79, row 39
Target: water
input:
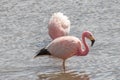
column 23, row 31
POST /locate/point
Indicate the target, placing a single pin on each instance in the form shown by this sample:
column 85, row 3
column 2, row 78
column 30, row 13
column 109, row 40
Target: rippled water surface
column 23, row 31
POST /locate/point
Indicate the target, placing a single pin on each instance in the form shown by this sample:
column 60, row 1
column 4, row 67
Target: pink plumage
column 67, row 46
column 64, row 47
column 59, row 25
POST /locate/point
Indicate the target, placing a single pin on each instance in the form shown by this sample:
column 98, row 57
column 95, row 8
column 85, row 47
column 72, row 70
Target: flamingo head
column 90, row 36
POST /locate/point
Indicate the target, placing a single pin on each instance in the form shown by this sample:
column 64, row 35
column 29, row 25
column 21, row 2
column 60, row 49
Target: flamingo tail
column 42, row 52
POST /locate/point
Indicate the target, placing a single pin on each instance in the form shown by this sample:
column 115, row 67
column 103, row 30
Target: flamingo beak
column 92, row 40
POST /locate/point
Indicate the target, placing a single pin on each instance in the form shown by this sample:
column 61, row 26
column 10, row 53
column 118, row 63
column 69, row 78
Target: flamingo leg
column 64, row 65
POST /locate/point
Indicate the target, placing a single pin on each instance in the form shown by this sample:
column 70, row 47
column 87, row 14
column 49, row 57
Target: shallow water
column 23, row 31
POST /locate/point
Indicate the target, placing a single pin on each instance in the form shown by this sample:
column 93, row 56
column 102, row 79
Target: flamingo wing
column 59, row 25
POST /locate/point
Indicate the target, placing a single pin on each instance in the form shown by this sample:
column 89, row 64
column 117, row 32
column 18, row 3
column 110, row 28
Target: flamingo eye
column 90, row 35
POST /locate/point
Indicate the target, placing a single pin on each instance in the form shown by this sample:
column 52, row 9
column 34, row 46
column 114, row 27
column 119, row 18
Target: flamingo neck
column 86, row 48
column 83, row 52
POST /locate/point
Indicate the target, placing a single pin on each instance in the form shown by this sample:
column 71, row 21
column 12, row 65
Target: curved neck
column 83, row 52
column 86, row 48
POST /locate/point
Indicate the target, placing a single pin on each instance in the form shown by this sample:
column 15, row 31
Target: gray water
column 23, row 31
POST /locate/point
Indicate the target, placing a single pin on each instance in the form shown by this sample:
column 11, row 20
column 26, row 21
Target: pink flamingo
column 67, row 46
column 58, row 26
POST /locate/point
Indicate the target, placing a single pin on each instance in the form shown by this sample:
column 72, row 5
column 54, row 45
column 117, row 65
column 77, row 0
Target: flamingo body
column 59, row 25
column 64, row 47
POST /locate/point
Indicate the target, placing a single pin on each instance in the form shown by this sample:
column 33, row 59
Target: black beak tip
column 93, row 41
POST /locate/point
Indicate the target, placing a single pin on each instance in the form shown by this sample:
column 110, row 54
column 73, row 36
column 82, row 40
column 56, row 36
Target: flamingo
column 67, row 46
column 59, row 25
